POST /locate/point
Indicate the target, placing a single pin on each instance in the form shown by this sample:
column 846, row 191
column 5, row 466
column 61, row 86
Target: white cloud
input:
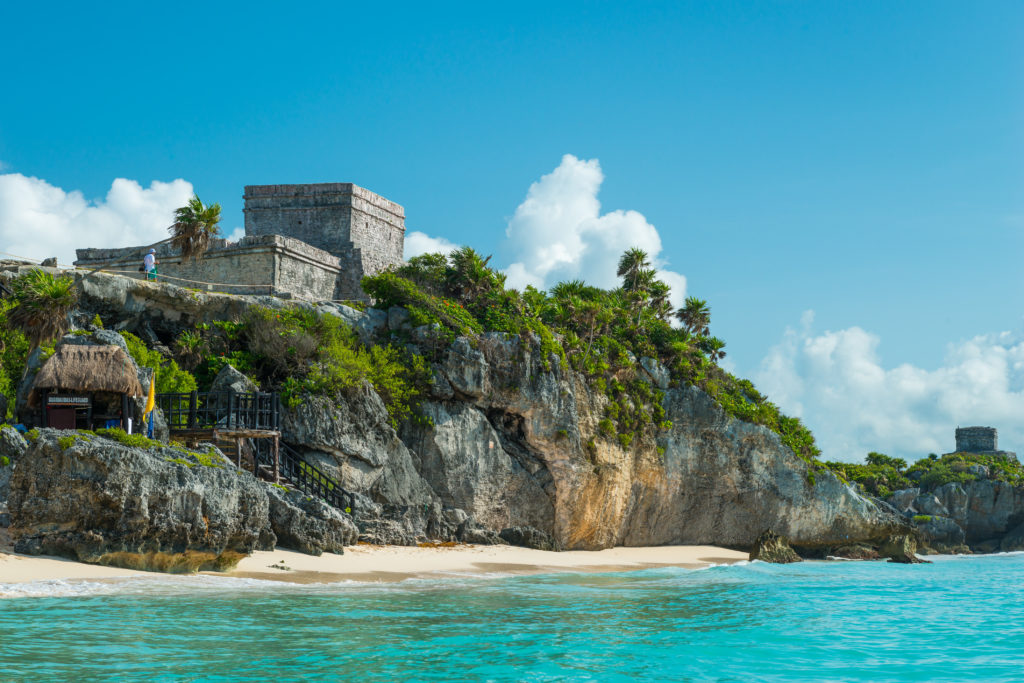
column 39, row 220
column 417, row 243
column 235, row 235
column 836, row 384
column 559, row 233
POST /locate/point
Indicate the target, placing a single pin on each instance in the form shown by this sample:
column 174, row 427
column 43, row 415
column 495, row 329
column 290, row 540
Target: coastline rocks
column 770, row 547
column 1013, row 540
column 528, row 537
column 941, row 533
column 308, row 524
column 12, row 447
column 97, row 501
column 902, row 549
column 707, row 478
column 855, row 552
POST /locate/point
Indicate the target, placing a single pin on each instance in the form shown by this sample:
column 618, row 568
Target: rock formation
column 513, row 443
column 510, row 451
column 983, row 514
column 96, row 500
column 770, row 547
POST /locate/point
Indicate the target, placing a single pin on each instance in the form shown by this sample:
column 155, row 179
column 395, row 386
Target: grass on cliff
column 880, row 475
column 600, row 333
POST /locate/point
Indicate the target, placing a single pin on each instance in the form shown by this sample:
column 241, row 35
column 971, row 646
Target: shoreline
column 389, row 564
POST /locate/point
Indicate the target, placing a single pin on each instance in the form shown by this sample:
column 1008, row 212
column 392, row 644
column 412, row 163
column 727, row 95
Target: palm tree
column 42, row 304
column 660, row 304
column 194, row 225
column 469, row 275
column 695, row 316
column 713, row 346
column 632, row 263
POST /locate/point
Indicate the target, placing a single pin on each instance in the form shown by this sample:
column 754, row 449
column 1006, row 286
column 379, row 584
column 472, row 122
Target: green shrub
column 14, row 348
column 4, row 461
column 921, row 519
column 169, row 377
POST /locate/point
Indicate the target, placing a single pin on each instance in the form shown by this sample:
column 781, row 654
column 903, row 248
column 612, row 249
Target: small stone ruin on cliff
column 982, row 441
column 311, row 242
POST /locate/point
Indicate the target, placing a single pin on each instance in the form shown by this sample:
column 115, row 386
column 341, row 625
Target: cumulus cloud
column 417, row 243
column 559, row 233
column 835, row 382
column 39, row 220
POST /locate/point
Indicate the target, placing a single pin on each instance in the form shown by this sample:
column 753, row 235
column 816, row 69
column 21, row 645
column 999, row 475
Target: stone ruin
column 980, row 440
column 312, row 242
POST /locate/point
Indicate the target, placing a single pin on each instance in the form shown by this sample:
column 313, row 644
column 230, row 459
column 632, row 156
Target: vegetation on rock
column 14, row 348
column 41, row 305
column 297, row 351
column 603, row 334
column 881, row 475
column 170, row 378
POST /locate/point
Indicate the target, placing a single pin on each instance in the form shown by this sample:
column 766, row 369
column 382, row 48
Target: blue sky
column 859, row 160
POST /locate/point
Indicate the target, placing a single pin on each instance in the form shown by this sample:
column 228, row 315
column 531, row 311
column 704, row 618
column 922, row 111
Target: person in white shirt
column 149, row 264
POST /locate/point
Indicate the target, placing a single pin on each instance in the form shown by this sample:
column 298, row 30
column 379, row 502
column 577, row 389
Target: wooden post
column 232, row 407
column 238, row 452
column 193, row 400
column 277, row 462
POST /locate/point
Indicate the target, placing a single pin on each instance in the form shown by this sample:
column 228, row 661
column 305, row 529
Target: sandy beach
column 393, row 563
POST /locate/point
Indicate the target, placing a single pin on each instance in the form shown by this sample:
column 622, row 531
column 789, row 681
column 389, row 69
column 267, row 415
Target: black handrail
column 225, row 410
column 306, row 477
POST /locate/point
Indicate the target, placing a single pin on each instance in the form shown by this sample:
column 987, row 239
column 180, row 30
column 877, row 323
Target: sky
column 842, row 182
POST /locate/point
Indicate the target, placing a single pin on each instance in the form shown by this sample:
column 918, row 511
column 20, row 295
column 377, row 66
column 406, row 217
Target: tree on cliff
column 42, row 304
column 695, row 316
column 194, row 225
column 632, row 266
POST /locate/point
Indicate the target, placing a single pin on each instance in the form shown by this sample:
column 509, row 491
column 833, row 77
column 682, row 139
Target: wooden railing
column 227, row 410
column 304, row 475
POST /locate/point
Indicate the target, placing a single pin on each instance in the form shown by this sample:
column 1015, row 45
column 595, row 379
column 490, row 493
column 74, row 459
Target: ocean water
column 961, row 618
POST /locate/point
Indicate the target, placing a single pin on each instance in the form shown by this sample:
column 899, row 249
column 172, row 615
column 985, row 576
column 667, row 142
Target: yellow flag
column 151, row 399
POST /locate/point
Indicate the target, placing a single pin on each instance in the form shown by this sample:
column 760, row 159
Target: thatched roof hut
column 83, row 369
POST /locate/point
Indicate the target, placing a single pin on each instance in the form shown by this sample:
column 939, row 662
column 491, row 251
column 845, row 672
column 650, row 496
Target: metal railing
column 224, row 410
column 305, row 476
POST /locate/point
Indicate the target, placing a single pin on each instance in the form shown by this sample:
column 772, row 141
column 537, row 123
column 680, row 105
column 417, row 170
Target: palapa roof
column 88, row 368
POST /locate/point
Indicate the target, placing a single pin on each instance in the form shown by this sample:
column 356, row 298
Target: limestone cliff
column 98, row 501
column 515, row 444
column 511, row 444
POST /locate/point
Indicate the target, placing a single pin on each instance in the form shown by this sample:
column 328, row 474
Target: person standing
column 149, row 264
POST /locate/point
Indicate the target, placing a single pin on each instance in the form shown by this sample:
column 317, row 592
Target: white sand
column 22, row 568
column 390, row 563
column 395, row 563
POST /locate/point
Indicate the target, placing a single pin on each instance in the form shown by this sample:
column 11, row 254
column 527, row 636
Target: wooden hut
column 86, row 387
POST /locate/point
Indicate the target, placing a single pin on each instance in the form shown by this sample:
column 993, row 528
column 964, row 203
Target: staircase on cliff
column 247, row 429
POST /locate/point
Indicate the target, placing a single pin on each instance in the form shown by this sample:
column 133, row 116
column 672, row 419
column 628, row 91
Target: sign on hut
column 86, row 387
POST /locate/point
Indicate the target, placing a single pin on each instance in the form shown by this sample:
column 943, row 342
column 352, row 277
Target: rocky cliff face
column 507, row 443
column 513, row 449
column 984, row 514
column 95, row 500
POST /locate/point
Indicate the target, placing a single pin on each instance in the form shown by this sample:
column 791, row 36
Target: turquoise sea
column 960, row 618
